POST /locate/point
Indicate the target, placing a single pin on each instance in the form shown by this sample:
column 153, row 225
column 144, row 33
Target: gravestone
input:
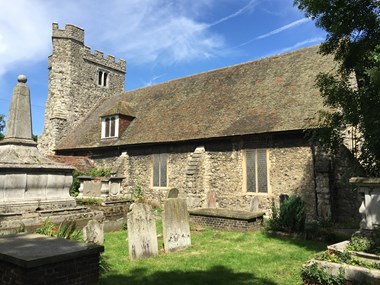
column 142, row 237
column 176, row 227
column 173, row 193
column 211, row 199
column 93, row 232
column 255, row 203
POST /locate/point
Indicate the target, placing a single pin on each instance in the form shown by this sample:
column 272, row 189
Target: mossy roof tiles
column 273, row 94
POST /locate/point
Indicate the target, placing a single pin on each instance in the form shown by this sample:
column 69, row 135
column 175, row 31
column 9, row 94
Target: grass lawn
column 215, row 257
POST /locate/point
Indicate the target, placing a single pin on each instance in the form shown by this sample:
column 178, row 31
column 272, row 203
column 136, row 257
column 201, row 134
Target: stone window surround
column 244, row 166
column 104, row 126
column 102, row 77
column 159, row 155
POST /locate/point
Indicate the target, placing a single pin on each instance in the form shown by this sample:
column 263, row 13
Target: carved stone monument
column 369, row 188
column 28, row 180
column 142, row 236
column 175, row 221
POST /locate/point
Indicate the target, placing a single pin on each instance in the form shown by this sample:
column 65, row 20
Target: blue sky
column 160, row 39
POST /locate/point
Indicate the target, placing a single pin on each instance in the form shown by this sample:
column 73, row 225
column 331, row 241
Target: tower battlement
column 108, row 61
column 70, row 32
column 78, row 80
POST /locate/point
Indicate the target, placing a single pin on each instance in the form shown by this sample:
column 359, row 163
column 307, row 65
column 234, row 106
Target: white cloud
column 301, row 44
column 283, row 28
column 141, row 31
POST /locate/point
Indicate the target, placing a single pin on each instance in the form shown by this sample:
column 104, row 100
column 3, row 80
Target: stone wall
column 73, row 88
column 218, row 168
column 212, row 174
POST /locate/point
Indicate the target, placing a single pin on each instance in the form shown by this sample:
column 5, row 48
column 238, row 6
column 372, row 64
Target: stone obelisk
column 28, row 180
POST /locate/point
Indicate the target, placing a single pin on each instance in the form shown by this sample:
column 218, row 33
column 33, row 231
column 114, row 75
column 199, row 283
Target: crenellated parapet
column 78, row 80
column 70, row 32
column 109, row 61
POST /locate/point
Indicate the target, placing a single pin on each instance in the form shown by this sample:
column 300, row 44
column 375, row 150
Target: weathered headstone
column 211, row 199
column 93, row 232
column 255, row 203
column 176, row 227
column 173, row 193
column 142, row 236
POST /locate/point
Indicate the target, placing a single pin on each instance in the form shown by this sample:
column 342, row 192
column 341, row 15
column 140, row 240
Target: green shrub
column 314, row 273
column 290, row 217
column 66, row 230
column 94, row 172
column 292, row 214
column 138, row 194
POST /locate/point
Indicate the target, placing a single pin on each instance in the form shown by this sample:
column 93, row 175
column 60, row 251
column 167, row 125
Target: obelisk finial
column 19, row 124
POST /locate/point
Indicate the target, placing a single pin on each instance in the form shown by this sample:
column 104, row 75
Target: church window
column 110, row 127
column 256, row 170
column 103, row 77
column 160, row 164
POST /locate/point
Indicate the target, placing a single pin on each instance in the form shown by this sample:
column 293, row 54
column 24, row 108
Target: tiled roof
column 120, row 108
column 268, row 95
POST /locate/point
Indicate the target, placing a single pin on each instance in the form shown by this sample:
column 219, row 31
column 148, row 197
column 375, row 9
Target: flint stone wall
column 212, row 174
column 73, row 88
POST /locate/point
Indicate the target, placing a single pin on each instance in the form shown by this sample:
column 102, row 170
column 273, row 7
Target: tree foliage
column 2, row 126
column 353, row 38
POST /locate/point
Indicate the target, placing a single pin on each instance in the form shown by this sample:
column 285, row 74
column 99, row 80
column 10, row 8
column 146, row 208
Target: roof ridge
column 226, row 67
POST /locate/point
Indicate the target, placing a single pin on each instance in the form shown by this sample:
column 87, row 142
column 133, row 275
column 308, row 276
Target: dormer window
column 103, row 78
column 110, row 127
column 116, row 120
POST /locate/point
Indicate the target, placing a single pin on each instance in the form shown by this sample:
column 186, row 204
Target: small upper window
column 103, row 78
column 110, row 127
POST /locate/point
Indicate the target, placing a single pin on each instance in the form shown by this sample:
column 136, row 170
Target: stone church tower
column 78, row 80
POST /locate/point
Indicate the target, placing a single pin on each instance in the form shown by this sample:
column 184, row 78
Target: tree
column 2, row 125
column 353, row 90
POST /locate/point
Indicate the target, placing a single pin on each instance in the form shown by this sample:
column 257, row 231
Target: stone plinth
column 225, row 219
column 28, row 259
column 28, row 180
column 100, row 187
column 369, row 188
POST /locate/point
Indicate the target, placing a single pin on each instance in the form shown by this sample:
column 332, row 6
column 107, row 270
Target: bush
column 66, row 230
column 290, row 217
column 314, row 273
column 93, row 172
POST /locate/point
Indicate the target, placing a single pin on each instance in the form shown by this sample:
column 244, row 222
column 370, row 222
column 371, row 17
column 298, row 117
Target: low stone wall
column 26, row 259
column 223, row 219
column 115, row 212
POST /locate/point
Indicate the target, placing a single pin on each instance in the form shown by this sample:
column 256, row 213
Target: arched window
column 103, row 78
column 110, row 127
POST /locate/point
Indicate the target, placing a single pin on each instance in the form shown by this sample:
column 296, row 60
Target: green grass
column 215, row 257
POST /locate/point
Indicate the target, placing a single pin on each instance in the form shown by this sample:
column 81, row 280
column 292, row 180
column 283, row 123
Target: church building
column 223, row 138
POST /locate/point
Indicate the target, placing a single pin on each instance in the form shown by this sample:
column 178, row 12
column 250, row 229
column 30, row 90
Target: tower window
column 110, row 127
column 103, row 78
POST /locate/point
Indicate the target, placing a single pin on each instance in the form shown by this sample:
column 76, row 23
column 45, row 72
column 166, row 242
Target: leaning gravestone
column 142, row 237
column 176, row 227
column 255, row 203
column 93, row 232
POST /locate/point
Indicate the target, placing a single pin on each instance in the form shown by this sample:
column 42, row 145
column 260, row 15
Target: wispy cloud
column 142, row 31
column 242, row 10
column 297, row 45
column 283, row 28
column 276, row 31
column 301, row 44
